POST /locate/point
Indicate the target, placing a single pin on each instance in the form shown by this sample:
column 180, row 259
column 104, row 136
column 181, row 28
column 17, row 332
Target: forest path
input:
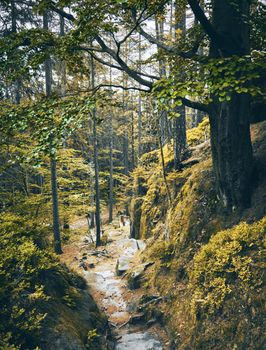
column 110, row 291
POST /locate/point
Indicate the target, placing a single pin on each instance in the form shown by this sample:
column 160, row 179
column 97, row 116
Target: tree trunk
column 125, row 110
column 179, row 123
column 163, row 122
column 56, row 223
column 111, row 183
column 17, row 83
column 229, row 120
column 139, row 107
column 179, row 135
column 132, row 141
column 96, row 165
column 48, row 87
column 163, row 170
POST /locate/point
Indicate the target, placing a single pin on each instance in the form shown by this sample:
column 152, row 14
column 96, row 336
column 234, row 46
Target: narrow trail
column 110, row 291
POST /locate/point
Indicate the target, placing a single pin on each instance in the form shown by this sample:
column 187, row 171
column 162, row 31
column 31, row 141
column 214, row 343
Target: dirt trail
column 110, row 291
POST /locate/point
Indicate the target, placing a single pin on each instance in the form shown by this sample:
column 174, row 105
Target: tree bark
column 163, row 122
column 17, row 83
column 96, row 165
column 179, row 135
column 179, row 123
column 111, row 180
column 56, row 221
column 139, row 107
column 132, row 140
column 229, row 120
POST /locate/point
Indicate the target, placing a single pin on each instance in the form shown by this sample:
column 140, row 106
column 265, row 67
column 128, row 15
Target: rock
column 83, row 265
column 151, row 322
column 134, row 279
column 122, row 265
column 135, row 319
column 139, row 341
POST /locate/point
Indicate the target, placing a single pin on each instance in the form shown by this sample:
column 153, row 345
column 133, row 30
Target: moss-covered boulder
column 228, row 285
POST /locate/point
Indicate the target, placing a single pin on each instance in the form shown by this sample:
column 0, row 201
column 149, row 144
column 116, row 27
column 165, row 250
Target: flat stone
column 138, row 341
column 122, row 265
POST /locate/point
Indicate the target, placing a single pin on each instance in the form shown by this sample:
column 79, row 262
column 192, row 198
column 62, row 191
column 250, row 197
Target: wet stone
column 139, row 341
column 122, row 265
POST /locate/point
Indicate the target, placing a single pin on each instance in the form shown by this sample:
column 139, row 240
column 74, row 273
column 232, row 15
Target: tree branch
column 171, row 49
column 195, row 105
column 61, row 12
column 108, row 64
column 132, row 73
column 206, row 24
column 120, row 87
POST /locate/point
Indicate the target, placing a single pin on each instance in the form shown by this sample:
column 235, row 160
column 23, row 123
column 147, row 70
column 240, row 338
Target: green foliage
column 49, row 121
column 92, row 339
column 199, row 134
column 22, row 264
column 163, row 251
column 218, row 79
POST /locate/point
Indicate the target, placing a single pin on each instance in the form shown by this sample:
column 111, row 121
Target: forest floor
column 110, row 291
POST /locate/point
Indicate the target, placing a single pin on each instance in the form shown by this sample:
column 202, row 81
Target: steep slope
column 208, row 264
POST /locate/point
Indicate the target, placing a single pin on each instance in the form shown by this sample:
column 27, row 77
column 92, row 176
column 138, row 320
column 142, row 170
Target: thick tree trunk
column 229, row 120
column 232, row 151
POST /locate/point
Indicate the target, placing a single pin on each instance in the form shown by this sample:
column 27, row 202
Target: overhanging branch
column 195, row 105
column 205, row 23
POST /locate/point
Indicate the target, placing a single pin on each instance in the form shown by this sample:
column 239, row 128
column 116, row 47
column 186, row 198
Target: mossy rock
column 227, row 285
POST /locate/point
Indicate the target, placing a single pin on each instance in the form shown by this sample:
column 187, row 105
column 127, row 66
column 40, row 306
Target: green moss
column 199, row 134
column 92, row 339
column 226, row 283
column 231, row 256
column 135, row 214
column 163, row 251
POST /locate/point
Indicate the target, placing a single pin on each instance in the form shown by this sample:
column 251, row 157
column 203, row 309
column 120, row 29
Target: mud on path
column 111, row 293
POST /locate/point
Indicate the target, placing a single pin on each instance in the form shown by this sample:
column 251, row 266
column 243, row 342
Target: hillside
column 207, row 263
column 44, row 305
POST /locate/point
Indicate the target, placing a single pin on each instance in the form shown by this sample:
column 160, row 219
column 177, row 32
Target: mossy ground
column 44, row 305
column 208, row 263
